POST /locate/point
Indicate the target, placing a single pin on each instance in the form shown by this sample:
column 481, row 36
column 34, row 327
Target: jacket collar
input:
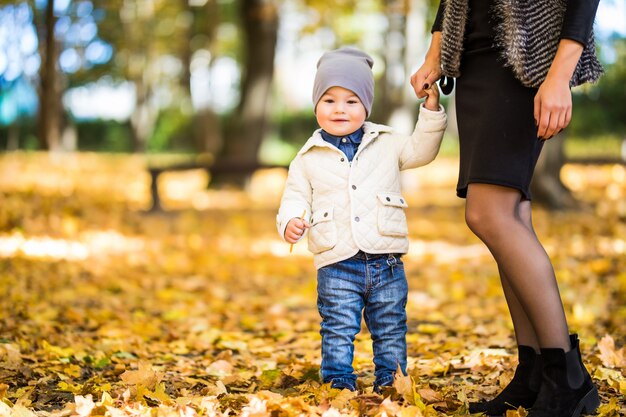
column 354, row 137
column 370, row 132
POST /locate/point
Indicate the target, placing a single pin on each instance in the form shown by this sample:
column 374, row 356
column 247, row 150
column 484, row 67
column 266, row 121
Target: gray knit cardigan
column 528, row 35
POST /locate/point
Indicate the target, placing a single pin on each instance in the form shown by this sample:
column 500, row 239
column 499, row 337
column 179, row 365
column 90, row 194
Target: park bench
column 200, row 162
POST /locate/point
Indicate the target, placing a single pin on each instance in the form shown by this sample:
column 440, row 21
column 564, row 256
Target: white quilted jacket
column 357, row 205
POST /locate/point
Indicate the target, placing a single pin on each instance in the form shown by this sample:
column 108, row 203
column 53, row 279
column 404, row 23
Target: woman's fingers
column 553, row 107
column 423, row 79
column 552, row 121
column 417, row 81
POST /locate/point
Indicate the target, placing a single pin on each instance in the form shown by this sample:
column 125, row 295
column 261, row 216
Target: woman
column 514, row 63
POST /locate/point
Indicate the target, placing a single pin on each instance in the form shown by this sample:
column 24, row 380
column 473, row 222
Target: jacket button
column 344, row 140
column 326, row 214
column 343, row 159
column 388, row 199
column 354, row 187
column 356, row 219
column 402, row 201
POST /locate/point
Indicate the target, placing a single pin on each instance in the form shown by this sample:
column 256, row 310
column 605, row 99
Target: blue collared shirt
column 347, row 144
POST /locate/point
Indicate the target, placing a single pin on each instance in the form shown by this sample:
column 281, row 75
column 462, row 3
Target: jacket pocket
column 323, row 231
column 391, row 217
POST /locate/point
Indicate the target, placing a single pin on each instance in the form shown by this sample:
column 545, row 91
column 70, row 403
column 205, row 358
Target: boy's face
column 340, row 111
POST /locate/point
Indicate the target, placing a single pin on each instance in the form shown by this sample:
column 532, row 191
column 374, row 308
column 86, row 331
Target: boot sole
column 589, row 403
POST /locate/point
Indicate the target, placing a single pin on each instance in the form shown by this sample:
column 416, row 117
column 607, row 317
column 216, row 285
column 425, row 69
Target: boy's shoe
column 384, row 384
column 343, row 385
column 383, row 389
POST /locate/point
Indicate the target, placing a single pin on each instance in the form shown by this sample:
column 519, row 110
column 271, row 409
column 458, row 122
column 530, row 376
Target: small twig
column 301, row 217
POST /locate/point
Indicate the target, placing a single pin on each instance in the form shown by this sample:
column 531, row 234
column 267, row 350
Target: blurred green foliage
column 600, row 109
column 158, row 45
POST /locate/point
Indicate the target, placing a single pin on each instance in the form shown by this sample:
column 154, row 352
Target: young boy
column 344, row 188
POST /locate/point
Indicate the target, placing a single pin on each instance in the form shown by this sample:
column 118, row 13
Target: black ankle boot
column 566, row 387
column 521, row 391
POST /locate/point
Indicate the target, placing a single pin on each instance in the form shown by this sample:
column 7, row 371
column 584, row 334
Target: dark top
column 577, row 24
column 478, row 35
column 346, row 144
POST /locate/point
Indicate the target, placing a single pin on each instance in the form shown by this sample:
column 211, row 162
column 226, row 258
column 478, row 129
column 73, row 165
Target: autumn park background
column 144, row 145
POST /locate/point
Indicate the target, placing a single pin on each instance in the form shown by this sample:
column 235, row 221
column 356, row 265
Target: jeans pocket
column 391, row 217
column 323, row 231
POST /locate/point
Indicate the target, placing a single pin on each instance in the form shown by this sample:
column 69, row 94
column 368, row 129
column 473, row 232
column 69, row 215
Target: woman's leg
column 493, row 214
column 502, row 221
column 524, row 387
column 524, row 332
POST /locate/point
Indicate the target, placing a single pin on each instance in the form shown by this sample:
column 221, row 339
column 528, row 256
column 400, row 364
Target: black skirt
column 497, row 132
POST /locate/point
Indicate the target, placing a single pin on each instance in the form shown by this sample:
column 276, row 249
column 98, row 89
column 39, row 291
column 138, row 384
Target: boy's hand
column 295, row 229
column 432, row 97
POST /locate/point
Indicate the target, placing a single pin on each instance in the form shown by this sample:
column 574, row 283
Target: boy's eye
column 352, row 102
column 329, row 100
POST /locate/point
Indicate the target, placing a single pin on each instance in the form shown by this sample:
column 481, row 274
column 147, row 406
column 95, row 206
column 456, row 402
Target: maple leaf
column 145, row 376
column 331, row 412
column 21, row 411
column 405, row 387
column 610, row 409
column 609, row 355
column 519, row 412
column 256, row 408
column 410, row 411
column 83, row 405
column 5, row 410
column 342, row 399
column 220, row 368
column 429, row 395
column 10, row 356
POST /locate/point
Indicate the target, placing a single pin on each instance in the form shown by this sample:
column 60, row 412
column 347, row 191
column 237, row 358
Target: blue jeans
column 372, row 285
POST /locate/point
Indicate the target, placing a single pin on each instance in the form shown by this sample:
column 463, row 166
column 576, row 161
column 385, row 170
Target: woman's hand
column 428, row 74
column 430, row 71
column 553, row 107
column 553, row 101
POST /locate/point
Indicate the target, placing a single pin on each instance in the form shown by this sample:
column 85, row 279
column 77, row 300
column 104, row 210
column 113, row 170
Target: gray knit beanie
column 349, row 68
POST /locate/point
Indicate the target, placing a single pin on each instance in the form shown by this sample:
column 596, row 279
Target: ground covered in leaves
column 202, row 311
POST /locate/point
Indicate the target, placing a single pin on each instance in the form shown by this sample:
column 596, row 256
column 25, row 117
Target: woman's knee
column 488, row 224
column 490, row 210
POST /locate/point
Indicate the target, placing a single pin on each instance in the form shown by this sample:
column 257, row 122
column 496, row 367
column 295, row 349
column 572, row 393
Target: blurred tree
column 393, row 83
column 50, row 86
column 68, row 45
column 155, row 51
column 259, row 23
column 201, row 41
column 599, row 109
column 19, row 64
column 405, row 41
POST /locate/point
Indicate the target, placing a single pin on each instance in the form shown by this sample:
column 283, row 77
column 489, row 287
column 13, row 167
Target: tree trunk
column 547, row 188
column 13, row 136
column 185, row 49
column 143, row 119
column 244, row 137
column 392, row 88
column 50, row 105
column 206, row 132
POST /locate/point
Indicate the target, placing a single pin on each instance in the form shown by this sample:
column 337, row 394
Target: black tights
column 502, row 220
